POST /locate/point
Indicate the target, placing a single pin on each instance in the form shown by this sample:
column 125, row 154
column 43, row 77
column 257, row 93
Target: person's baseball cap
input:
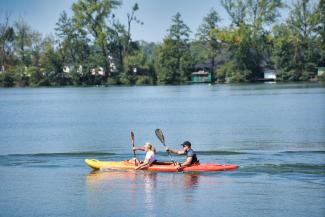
column 186, row 143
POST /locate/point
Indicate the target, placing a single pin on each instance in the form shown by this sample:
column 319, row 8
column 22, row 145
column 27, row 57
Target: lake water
column 274, row 132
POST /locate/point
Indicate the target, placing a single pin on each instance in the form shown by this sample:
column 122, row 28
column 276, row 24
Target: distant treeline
column 92, row 47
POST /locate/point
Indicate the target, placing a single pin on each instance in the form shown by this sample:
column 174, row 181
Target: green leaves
column 248, row 41
column 178, row 31
column 93, row 37
column 91, row 16
column 173, row 58
column 296, row 51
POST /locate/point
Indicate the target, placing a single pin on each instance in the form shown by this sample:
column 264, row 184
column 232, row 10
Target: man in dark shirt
column 188, row 151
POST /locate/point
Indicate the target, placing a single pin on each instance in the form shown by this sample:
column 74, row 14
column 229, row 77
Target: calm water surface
column 275, row 132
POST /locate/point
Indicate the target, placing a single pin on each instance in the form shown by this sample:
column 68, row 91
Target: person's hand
column 178, row 166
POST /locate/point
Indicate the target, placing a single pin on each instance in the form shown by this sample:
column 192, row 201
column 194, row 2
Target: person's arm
column 138, row 149
column 187, row 162
column 142, row 165
column 179, row 152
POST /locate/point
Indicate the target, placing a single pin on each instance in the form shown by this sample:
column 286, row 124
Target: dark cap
column 186, row 143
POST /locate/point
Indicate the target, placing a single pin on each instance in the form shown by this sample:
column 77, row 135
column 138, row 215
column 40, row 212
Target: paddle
column 161, row 137
column 132, row 142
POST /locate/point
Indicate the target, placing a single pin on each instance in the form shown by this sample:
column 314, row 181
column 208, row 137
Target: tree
column 23, row 41
column 118, row 40
column 127, row 48
column 73, row 42
column 7, row 37
column 139, row 68
column 91, row 15
column 262, row 12
column 255, row 13
column 248, row 40
column 66, row 31
column 178, row 31
column 296, row 51
column 210, row 43
column 7, row 79
column 320, row 29
column 131, row 17
column 241, row 65
column 236, row 9
column 52, row 65
column 173, row 58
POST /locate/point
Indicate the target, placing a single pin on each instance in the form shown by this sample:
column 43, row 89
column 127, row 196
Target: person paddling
column 149, row 159
column 188, row 151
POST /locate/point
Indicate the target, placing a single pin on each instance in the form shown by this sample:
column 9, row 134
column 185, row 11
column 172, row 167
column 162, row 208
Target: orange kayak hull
column 159, row 167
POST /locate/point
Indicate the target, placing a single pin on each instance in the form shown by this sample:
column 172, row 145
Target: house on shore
column 320, row 71
column 98, row 71
column 66, row 69
column 201, row 76
column 269, row 74
column 202, row 73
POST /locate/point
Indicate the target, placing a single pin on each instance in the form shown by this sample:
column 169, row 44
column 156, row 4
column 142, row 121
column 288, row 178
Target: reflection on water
column 96, row 178
column 191, row 181
column 148, row 179
column 190, row 184
column 141, row 187
column 150, row 184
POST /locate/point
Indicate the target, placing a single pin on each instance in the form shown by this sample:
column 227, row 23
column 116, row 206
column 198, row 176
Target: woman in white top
column 149, row 159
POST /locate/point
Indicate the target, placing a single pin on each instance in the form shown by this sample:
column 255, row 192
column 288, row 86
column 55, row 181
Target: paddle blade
column 160, row 135
column 132, row 138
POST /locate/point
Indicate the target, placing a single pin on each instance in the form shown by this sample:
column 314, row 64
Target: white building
column 98, row 71
column 66, row 69
column 79, row 70
column 101, row 71
column 320, row 71
column 269, row 74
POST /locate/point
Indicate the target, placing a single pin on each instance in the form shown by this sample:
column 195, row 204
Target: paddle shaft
column 161, row 137
column 169, row 154
column 132, row 141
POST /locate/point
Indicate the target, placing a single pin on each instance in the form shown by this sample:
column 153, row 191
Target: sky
column 156, row 15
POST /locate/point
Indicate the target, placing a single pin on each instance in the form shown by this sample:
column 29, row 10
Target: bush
column 36, row 76
column 225, row 71
column 321, row 78
column 306, row 76
column 291, row 75
column 239, row 76
column 230, row 73
column 281, row 75
column 20, row 75
column 111, row 81
column 7, row 79
column 125, row 79
column 143, row 80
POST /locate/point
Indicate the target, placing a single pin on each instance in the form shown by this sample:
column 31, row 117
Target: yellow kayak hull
column 159, row 167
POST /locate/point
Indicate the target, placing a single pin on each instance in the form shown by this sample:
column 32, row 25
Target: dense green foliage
column 173, row 59
column 92, row 47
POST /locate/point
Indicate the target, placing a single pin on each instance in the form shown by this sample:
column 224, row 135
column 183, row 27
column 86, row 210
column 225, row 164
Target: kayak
column 159, row 166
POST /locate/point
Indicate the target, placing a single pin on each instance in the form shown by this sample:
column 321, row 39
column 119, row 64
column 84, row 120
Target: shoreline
column 320, row 83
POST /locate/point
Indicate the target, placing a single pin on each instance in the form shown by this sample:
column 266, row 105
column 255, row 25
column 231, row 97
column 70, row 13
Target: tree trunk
column 212, row 68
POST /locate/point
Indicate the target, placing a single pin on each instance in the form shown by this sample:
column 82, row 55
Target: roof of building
column 201, row 72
